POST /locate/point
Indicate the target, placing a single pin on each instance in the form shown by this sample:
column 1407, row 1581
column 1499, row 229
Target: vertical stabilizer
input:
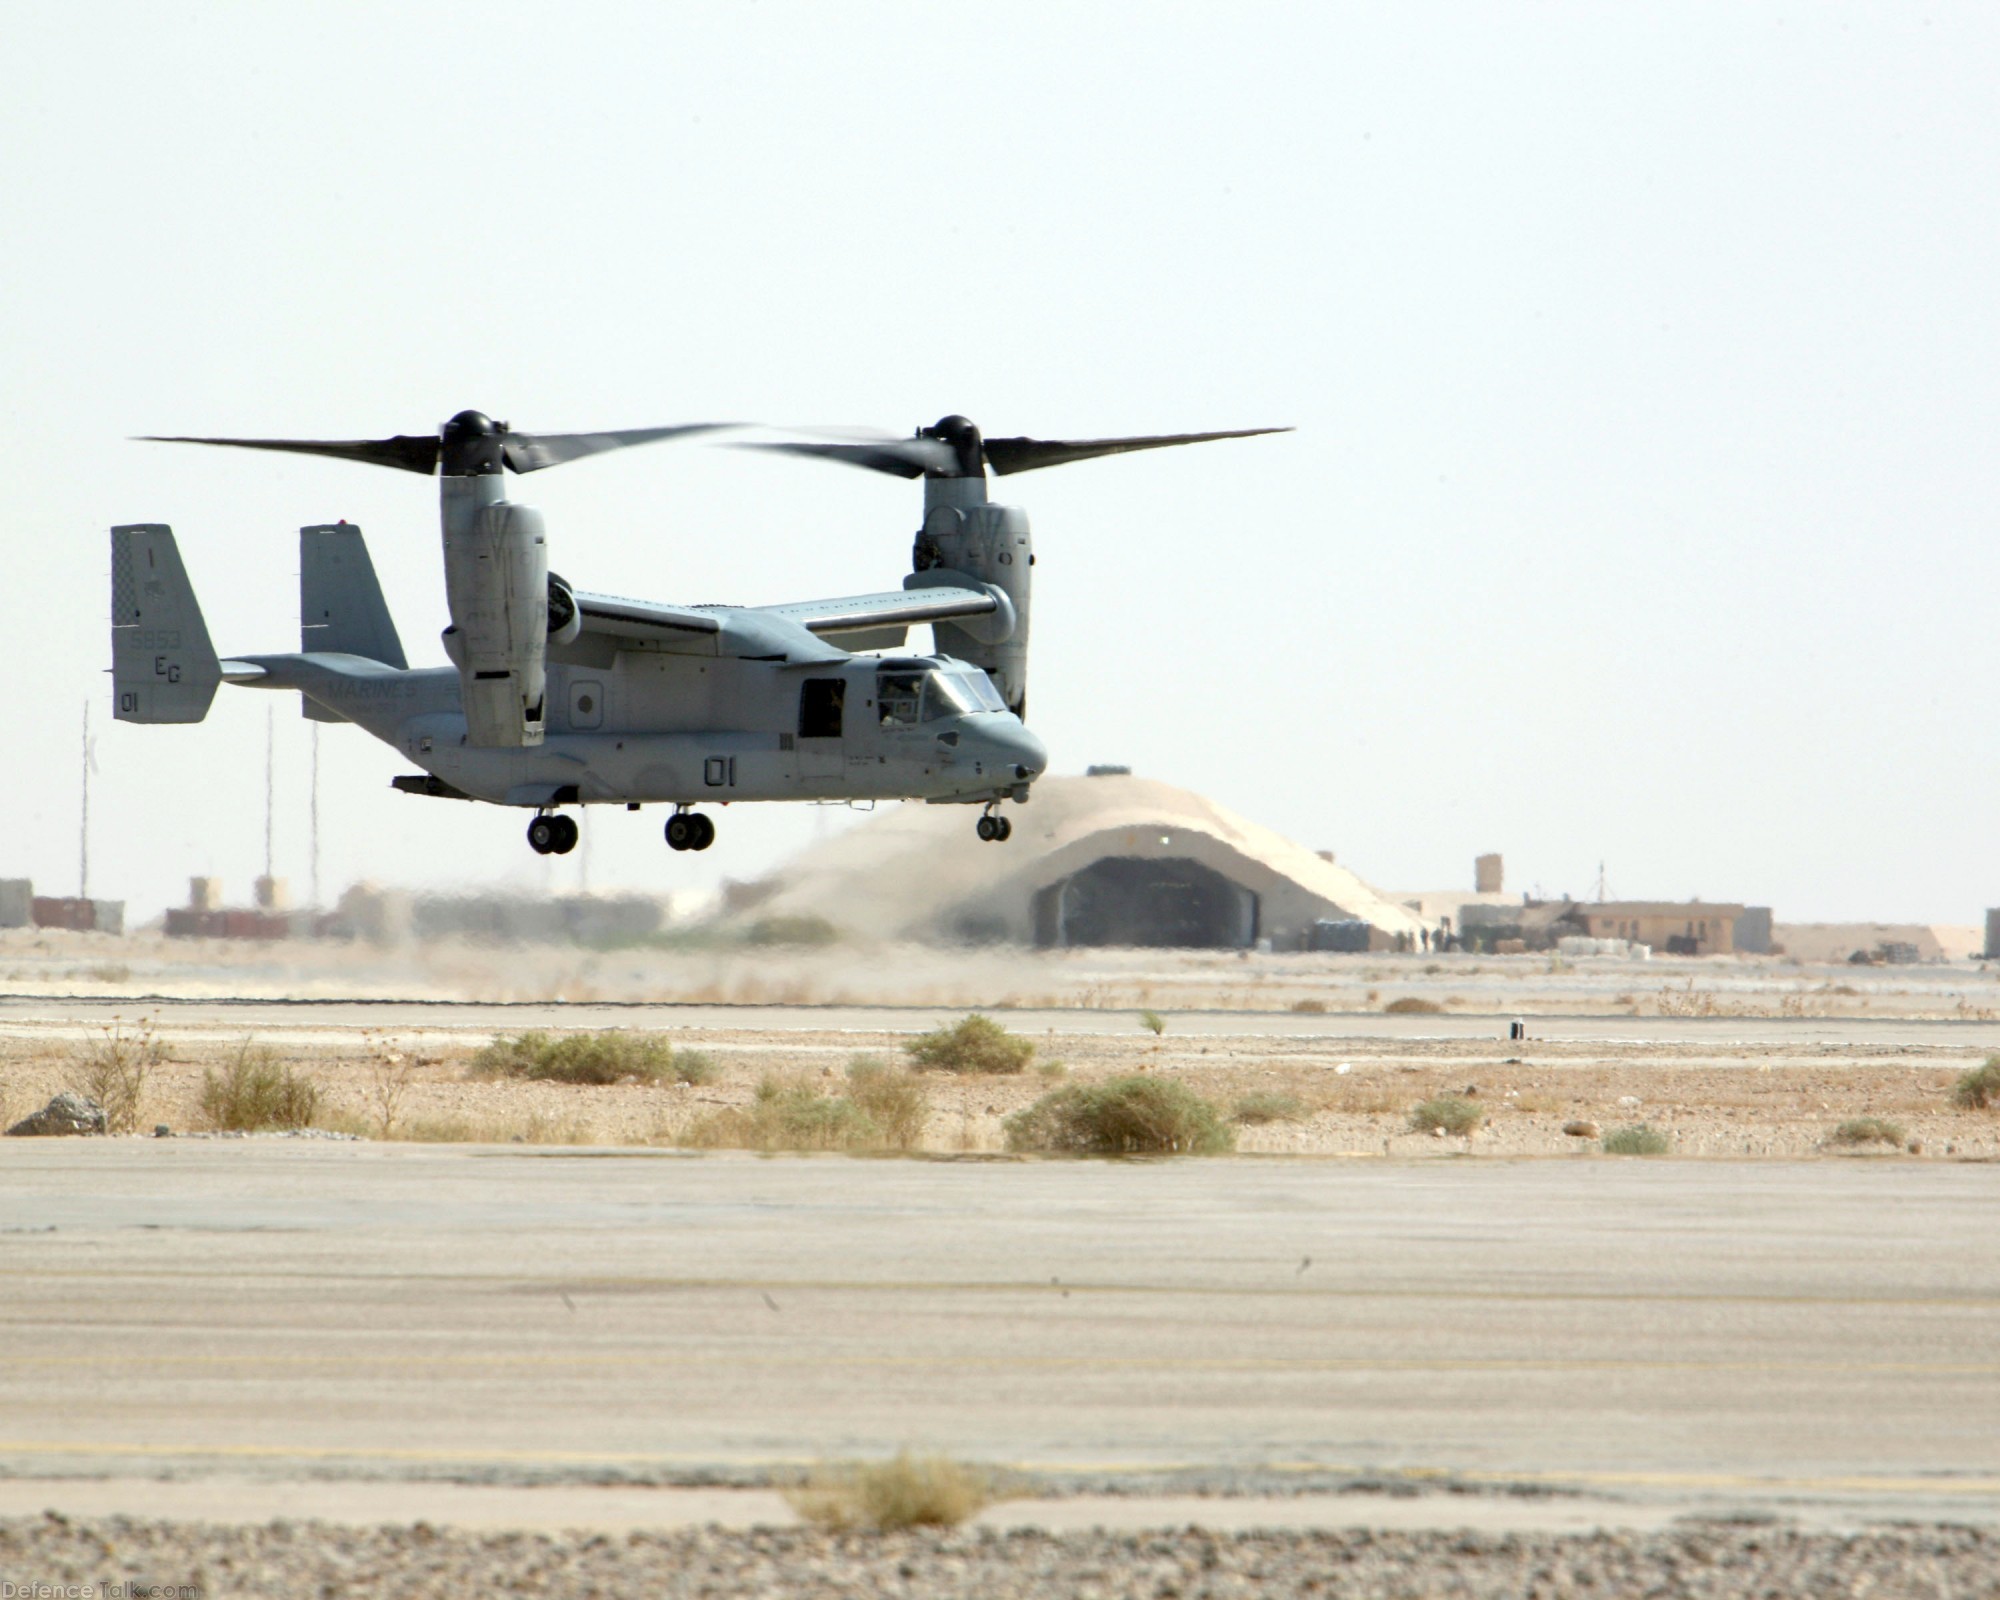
column 340, row 599
column 163, row 669
column 340, row 603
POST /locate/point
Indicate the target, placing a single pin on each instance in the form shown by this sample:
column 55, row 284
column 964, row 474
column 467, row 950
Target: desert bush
column 805, row 929
column 390, row 1074
column 695, row 1067
column 1268, row 1106
column 1312, row 1008
column 257, row 1090
column 1643, row 1140
column 111, row 1069
column 1139, row 1115
column 896, row 1101
column 1412, row 1005
column 1979, row 1089
column 1451, row 1112
column 1868, row 1130
column 907, row 1492
column 1153, row 1023
column 576, row 1057
column 1049, row 1071
column 876, row 1113
column 976, row 1044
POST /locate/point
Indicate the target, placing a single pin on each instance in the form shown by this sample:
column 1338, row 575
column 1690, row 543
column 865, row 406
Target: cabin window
column 820, row 703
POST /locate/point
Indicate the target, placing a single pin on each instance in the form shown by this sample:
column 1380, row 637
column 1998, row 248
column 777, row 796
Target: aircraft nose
column 1017, row 747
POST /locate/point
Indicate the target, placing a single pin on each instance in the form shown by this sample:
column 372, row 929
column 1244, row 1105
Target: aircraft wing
column 642, row 619
column 701, row 630
column 895, row 608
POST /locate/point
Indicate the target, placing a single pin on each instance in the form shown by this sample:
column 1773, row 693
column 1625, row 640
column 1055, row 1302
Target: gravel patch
column 1705, row 1560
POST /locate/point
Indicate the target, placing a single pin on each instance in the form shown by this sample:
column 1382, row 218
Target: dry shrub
column 1979, row 1089
column 258, row 1090
column 111, row 1069
column 1412, row 1005
column 1451, row 1112
column 883, row 1111
column 1311, row 1008
column 896, row 1101
column 576, row 1057
column 695, row 1067
column 1868, row 1130
column 390, row 1074
column 976, row 1044
column 1138, row 1115
column 1268, row 1106
column 804, row 929
column 907, row 1492
column 1644, row 1140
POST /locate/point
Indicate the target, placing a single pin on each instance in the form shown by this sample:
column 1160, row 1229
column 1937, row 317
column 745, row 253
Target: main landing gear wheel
column 689, row 830
column 552, row 835
column 994, row 829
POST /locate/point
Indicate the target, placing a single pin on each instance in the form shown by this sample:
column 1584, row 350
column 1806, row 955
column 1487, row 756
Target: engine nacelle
column 496, row 576
column 565, row 617
column 990, row 544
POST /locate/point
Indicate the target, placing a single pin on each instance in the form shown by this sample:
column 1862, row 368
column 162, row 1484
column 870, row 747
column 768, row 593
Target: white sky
column 1644, row 363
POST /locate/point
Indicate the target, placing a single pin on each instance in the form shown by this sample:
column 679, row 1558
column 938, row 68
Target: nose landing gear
column 552, row 834
column 994, row 828
column 689, row 830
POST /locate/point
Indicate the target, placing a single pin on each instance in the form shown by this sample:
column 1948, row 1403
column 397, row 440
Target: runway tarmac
column 1680, row 1335
column 80, row 1014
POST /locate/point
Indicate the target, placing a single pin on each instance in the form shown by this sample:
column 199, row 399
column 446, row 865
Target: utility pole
column 270, row 786
column 315, row 817
column 83, row 831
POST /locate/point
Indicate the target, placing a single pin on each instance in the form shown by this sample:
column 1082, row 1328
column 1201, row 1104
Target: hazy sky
column 1642, row 506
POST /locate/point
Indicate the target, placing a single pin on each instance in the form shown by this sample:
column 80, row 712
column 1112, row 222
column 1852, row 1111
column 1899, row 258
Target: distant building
column 1109, row 860
column 21, row 907
column 1681, row 928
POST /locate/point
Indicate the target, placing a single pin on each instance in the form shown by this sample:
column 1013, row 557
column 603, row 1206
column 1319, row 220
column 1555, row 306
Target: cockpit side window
column 898, row 694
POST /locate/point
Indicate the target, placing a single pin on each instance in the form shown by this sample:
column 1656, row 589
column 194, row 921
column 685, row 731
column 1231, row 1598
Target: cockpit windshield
column 906, row 698
column 955, row 694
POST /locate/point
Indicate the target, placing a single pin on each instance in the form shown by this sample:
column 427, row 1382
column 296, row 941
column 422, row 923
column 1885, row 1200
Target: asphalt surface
column 80, row 1014
column 1693, row 1334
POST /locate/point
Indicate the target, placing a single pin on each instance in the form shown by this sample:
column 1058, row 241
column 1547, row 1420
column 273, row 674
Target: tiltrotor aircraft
column 557, row 697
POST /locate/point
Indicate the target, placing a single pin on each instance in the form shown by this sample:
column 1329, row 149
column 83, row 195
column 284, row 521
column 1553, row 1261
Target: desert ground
column 483, row 1330
column 1726, row 1057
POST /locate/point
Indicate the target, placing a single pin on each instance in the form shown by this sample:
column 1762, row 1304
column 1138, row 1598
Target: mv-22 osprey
column 557, row 696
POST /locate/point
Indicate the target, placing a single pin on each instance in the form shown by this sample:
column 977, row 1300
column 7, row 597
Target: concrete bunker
column 1168, row 902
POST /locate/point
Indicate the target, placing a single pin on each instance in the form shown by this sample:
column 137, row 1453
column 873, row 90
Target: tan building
column 1687, row 927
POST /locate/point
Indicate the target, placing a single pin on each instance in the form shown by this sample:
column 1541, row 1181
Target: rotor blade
column 1025, row 455
column 906, row 458
column 530, row 452
column 409, row 452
